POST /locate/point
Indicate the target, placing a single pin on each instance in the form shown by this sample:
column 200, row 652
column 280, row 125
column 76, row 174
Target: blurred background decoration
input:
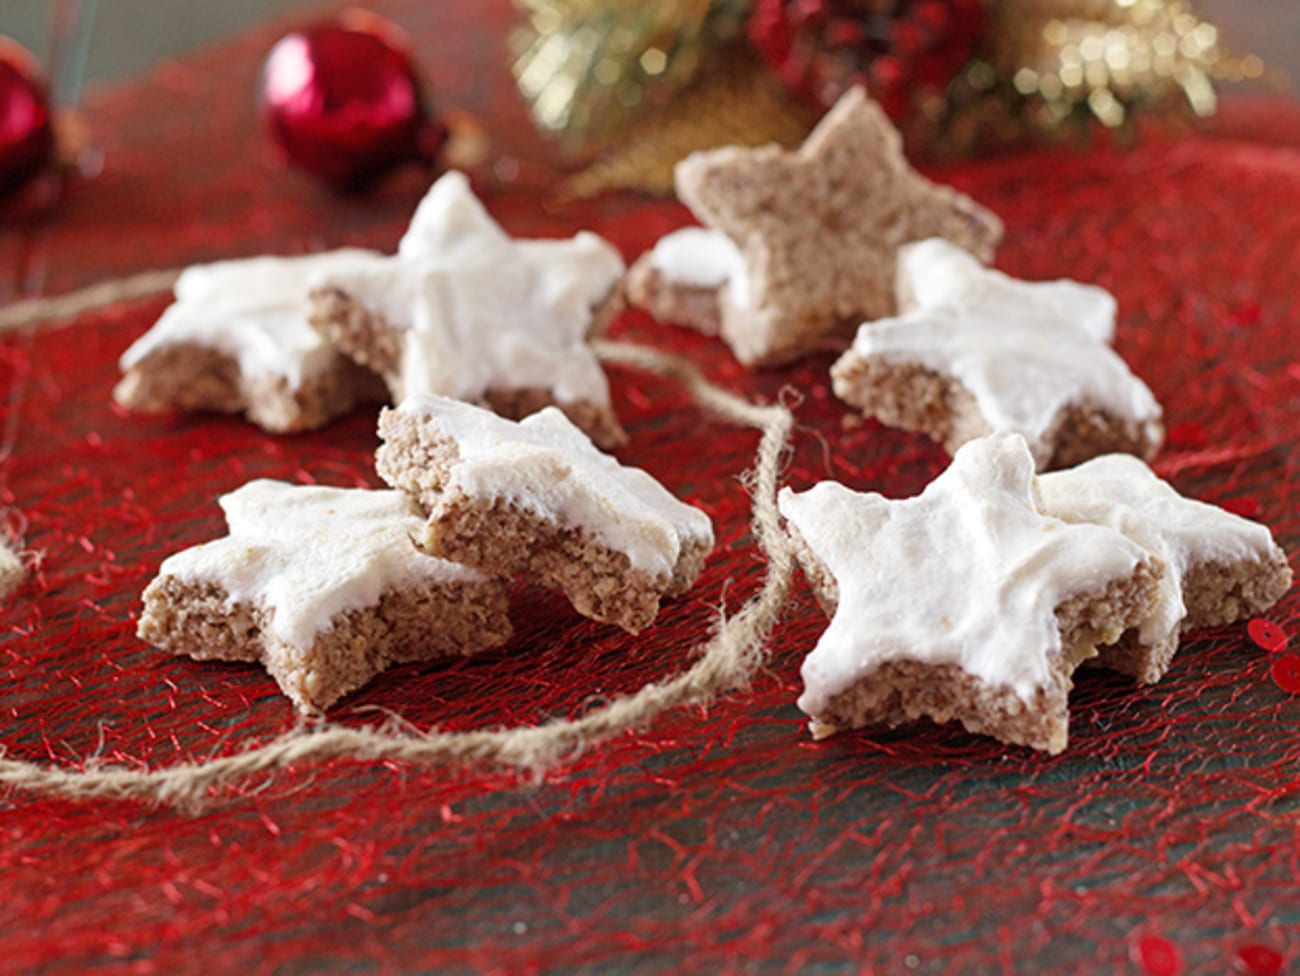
column 26, row 127
column 635, row 86
column 630, row 87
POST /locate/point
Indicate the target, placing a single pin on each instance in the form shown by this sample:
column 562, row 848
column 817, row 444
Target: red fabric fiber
column 718, row 840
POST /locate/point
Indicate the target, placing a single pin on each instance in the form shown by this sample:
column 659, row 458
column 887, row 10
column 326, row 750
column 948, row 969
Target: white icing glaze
column 308, row 553
column 935, row 272
column 253, row 310
column 547, row 464
column 1024, row 351
column 967, row 573
column 480, row 310
column 698, row 257
column 1120, row 491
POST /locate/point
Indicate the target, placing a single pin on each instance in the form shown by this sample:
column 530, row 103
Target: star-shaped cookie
column 977, row 351
column 537, row 499
column 965, row 602
column 1218, row 567
column 816, row 230
column 464, row 310
column 324, row 587
column 237, row 340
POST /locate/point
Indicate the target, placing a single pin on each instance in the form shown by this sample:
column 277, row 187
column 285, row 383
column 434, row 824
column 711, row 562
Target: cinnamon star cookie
column 324, row 587
column 800, row 244
column 537, row 499
column 464, row 310
column 964, row 603
column 977, row 351
column 1218, row 567
column 237, row 340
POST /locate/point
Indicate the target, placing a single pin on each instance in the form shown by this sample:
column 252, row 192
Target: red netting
column 718, row 840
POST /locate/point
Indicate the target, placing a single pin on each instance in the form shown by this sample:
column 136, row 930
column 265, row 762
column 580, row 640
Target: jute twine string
column 727, row 660
column 34, row 311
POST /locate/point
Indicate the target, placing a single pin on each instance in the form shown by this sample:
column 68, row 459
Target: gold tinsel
column 586, row 66
column 643, row 84
column 1110, row 55
column 736, row 101
column 1053, row 68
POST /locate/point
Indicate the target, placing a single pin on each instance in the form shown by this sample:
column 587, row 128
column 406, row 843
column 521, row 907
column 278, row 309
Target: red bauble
column 26, row 132
column 898, row 49
column 343, row 101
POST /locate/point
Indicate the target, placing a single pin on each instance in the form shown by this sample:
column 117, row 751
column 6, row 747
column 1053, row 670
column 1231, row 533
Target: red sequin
column 1286, row 672
column 1258, row 960
column 1267, row 634
column 1158, row 956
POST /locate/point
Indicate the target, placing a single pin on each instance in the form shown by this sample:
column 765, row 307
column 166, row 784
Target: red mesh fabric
column 718, row 840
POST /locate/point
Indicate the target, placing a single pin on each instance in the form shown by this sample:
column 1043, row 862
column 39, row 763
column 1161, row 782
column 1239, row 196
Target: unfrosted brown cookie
column 536, row 499
column 962, row 604
column 1218, row 567
column 324, row 587
column 976, row 351
column 464, row 310
column 804, row 242
column 237, row 340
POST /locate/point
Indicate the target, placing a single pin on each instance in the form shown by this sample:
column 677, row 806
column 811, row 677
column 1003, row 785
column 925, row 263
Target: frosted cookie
column 237, row 340
column 324, row 588
column 463, row 310
column 964, row 603
column 1218, row 567
column 800, row 244
column 11, row 568
column 976, row 351
column 688, row 277
column 537, row 499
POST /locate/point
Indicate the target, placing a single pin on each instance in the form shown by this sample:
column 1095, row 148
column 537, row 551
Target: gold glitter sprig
column 734, row 101
column 586, row 66
column 1051, row 69
column 1110, row 56
column 638, row 85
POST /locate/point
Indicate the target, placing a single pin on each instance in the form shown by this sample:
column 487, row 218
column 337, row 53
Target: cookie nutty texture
column 1217, row 567
column 537, row 499
column 464, row 310
column 964, row 603
column 976, row 351
column 322, row 586
column 237, row 340
column 816, row 231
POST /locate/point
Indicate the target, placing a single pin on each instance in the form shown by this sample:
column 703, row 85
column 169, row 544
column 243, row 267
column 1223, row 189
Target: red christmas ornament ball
column 897, row 49
column 343, row 102
column 26, row 130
